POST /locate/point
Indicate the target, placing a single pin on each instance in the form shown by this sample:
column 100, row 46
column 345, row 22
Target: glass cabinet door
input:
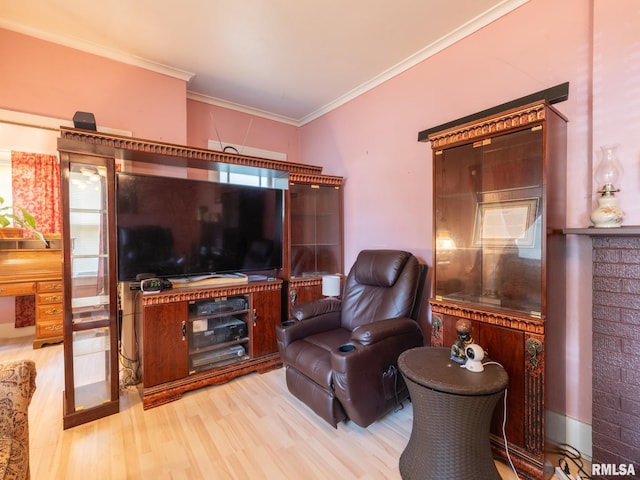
column 91, row 375
column 488, row 227
column 316, row 229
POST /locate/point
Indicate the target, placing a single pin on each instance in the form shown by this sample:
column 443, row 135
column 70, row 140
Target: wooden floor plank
column 250, row 428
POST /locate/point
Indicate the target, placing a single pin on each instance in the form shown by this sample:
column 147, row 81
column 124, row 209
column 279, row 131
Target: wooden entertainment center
column 193, row 336
column 174, row 350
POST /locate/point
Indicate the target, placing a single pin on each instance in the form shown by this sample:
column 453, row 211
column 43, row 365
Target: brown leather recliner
column 341, row 356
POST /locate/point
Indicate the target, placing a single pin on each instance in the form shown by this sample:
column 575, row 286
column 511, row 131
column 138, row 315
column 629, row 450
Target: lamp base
column 607, row 215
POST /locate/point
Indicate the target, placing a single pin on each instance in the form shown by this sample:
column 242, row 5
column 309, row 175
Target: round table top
column 432, row 367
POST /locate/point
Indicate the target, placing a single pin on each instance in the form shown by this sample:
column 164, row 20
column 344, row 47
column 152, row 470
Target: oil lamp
column 607, row 173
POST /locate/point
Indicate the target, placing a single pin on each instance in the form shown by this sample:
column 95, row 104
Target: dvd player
column 214, row 307
column 226, row 355
column 216, row 330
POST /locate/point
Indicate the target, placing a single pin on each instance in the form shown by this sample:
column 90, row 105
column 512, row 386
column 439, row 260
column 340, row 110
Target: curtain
column 36, row 187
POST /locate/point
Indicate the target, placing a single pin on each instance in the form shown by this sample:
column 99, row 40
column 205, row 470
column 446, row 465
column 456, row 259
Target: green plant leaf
column 24, row 220
column 28, row 219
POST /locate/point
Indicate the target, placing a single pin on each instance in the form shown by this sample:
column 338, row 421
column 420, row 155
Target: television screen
column 170, row 227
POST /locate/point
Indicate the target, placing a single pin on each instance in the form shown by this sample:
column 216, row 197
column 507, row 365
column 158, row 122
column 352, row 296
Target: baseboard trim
column 562, row 429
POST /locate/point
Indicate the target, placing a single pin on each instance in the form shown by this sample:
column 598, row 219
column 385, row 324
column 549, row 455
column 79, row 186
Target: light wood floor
column 250, row 428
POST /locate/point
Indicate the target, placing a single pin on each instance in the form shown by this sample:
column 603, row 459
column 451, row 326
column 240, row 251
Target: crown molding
column 94, row 49
column 199, row 97
column 452, row 37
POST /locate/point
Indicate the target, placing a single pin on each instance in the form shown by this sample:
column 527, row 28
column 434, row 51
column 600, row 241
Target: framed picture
column 509, row 223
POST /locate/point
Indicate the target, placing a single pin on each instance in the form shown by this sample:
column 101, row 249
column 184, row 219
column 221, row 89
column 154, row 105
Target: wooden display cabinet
column 499, row 210
column 90, row 301
column 316, row 234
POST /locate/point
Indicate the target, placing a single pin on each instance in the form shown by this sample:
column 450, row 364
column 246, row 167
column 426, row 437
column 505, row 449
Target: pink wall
column 372, row 140
column 209, row 122
column 616, row 93
column 43, row 78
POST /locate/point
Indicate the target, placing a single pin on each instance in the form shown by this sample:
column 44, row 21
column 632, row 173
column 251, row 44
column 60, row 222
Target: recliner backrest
column 381, row 284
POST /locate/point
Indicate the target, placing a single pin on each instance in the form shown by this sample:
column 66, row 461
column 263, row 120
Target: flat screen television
column 174, row 227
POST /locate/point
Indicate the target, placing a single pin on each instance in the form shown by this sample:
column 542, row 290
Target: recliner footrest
column 322, row 402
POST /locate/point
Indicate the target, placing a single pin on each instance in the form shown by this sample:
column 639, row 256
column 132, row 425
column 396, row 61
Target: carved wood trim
column 200, row 293
column 534, row 391
column 300, row 282
column 437, row 327
column 329, row 180
column 524, row 323
column 159, row 148
column 534, row 350
column 168, row 392
column 529, row 467
column 293, row 297
column 504, row 122
column 297, row 283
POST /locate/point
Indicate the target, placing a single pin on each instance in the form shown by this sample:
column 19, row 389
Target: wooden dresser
column 26, row 268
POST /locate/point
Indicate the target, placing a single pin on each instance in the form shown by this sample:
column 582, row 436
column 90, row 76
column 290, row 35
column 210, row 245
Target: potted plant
column 21, row 219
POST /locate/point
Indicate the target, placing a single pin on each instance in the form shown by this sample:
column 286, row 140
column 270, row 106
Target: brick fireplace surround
column 616, row 344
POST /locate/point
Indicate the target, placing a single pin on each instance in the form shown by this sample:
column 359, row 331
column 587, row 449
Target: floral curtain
column 36, row 187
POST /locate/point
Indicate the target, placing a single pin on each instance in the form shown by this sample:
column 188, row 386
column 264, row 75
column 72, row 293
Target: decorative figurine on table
column 463, row 329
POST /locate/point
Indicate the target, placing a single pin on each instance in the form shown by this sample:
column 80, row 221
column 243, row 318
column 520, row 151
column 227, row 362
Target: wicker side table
column 452, row 409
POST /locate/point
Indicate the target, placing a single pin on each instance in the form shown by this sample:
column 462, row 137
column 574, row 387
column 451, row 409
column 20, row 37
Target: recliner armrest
column 292, row 330
column 315, row 308
column 377, row 331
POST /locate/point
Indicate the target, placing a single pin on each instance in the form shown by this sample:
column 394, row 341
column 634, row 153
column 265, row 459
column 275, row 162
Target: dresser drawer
column 49, row 328
column 45, row 313
column 53, row 297
column 17, row 289
column 53, row 286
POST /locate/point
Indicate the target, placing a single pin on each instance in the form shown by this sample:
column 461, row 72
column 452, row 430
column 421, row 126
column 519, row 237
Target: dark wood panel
column 506, row 346
column 266, row 315
column 165, row 355
column 301, row 290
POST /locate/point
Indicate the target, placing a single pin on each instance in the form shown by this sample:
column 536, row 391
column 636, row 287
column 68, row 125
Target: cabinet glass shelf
column 499, row 197
column 316, row 229
column 90, row 319
column 92, row 372
column 488, row 225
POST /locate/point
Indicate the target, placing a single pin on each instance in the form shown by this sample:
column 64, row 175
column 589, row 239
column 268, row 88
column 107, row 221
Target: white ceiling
column 292, row 60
